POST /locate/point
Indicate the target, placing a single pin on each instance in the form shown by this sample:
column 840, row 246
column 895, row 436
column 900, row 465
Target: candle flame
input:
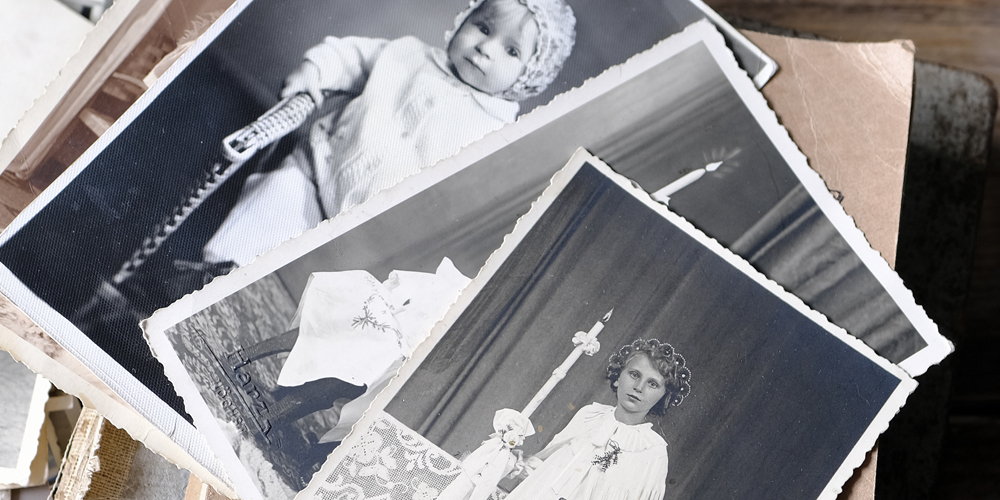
column 711, row 167
column 607, row 316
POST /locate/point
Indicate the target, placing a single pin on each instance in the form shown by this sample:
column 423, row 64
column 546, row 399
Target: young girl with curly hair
column 611, row 452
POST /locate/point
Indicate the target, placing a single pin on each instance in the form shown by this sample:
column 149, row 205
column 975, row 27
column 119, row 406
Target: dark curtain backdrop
column 777, row 402
column 801, row 249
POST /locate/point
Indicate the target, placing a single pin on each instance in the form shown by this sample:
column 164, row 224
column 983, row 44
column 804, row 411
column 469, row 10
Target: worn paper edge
column 32, row 435
column 161, row 418
column 92, row 44
column 116, row 413
column 938, row 347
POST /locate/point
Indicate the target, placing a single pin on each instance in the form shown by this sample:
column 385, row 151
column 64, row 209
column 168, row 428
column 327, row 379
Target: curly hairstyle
column 676, row 376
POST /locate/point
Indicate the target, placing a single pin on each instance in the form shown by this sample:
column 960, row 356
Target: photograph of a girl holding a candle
column 612, row 452
column 505, row 390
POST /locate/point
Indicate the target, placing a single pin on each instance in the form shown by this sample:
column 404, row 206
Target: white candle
column 560, row 372
column 663, row 195
column 594, row 330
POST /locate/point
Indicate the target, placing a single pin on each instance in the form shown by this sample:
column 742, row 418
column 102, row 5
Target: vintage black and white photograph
column 610, row 350
column 24, row 397
column 195, row 179
column 287, row 373
column 689, row 111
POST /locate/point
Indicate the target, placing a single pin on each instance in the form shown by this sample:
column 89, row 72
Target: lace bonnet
column 556, row 36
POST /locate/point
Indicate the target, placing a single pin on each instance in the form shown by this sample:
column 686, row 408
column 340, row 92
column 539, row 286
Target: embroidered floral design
column 368, row 320
column 609, row 457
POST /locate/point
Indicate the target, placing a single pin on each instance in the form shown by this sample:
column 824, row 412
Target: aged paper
column 847, row 107
column 37, row 37
column 842, row 144
column 24, row 395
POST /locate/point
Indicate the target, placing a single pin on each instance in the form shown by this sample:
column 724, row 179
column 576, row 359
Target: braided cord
column 238, row 147
column 274, row 124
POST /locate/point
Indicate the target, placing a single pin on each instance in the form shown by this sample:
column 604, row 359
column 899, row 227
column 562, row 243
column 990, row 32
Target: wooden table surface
column 963, row 34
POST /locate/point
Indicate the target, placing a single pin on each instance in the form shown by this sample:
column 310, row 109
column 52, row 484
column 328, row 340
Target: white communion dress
column 356, row 329
column 596, row 457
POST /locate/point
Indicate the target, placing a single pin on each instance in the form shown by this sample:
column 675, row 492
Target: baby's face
column 490, row 50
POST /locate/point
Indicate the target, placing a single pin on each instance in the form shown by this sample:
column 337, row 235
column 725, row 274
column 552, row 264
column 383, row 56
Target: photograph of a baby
column 398, row 87
column 416, row 104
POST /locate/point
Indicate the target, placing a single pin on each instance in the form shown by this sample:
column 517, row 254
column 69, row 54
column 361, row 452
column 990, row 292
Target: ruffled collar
column 601, row 425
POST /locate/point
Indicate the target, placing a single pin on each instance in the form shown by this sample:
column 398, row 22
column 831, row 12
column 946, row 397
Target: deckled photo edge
column 867, row 441
column 770, row 65
column 204, row 421
column 32, row 119
column 115, row 411
column 32, row 431
column 938, row 347
column 32, row 436
column 582, row 157
column 153, row 416
column 441, row 327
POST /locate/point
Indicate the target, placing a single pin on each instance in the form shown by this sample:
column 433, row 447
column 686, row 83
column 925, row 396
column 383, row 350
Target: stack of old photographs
column 516, row 262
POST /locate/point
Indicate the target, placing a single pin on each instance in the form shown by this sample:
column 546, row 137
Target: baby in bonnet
column 415, row 106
